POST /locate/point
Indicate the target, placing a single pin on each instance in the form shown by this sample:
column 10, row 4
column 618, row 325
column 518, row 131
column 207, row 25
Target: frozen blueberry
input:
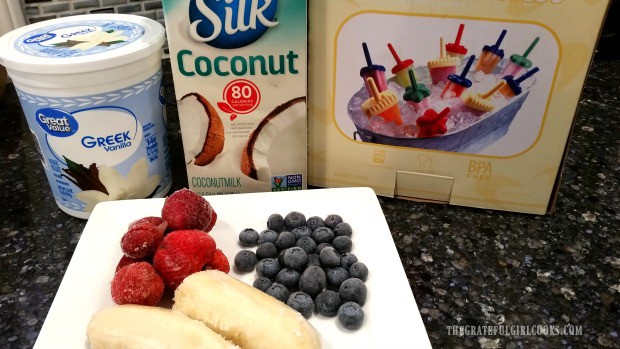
column 351, row 316
column 307, row 244
column 301, row 302
column 262, row 283
column 343, row 229
column 313, row 260
column 329, row 257
column 275, row 222
column 322, row 234
column 268, row 267
column 353, row 290
column 321, row 246
column 266, row 250
column 267, row 235
column 248, row 237
column 278, row 291
column 245, row 260
column 285, row 240
column 301, row 232
column 359, row 270
column 314, row 222
column 312, row 281
column 342, row 244
column 288, row 277
column 347, row 259
column 294, row 219
column 327, row 303
column 332, row 220
column 335, row 277
column 295, row 257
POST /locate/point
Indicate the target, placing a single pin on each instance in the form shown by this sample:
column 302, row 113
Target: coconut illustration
column 275, row 146
column 203, row 131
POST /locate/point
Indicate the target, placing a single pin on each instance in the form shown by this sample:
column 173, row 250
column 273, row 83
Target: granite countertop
column 466, row 266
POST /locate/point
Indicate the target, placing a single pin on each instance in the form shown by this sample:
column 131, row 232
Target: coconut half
column 278, row 144
column 202, row 129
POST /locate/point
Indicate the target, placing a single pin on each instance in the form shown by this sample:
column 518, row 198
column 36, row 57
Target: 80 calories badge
column 240, row 97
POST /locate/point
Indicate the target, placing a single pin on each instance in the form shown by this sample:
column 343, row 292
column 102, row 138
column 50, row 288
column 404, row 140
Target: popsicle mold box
column 90, row 87
column 466, row 102
column 240, row 78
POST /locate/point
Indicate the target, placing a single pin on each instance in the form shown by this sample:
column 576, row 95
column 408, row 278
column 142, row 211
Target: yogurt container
column 91, row 90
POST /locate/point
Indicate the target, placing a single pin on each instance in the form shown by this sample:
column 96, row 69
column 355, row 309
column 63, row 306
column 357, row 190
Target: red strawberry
column 182, row 253
column 124, row 261
column 137, row 283
column 185, row 209
column 141, row 240
column 219, row 262
column 156, row 222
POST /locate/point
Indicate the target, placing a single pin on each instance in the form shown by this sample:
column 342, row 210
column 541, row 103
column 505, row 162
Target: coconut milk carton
column 239, row 69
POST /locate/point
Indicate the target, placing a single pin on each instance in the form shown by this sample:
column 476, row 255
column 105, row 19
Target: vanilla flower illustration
column 137, row 185
column 91, row 40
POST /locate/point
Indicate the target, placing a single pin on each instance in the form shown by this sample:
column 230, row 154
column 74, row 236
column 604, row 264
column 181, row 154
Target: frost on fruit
column 137, row 185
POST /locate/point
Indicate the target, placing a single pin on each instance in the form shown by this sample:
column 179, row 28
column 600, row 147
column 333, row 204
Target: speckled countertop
column 466, row 267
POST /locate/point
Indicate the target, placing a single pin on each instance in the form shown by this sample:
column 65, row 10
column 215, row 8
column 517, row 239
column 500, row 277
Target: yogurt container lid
column 79, row 44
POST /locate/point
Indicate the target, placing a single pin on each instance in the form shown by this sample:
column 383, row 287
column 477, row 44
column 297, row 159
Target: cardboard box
column 240, row 78
column 506, row 158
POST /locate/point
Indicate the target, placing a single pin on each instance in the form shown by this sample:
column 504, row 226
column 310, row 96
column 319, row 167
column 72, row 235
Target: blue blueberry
column 314, row 222
column 353, row 290
column 359, row 270
column 262, row 283
column 335, row 277
column 285, row 240
column 301, row 232
column 343, row 229
column 351, row 316
column 245, row 260
column 327, row 303
column 267, row 235
column 294, row 219
column 248, row 237
column 307, row 244
column 302, row 302
column 268, row 267
column 275, row 222
column 278, row 291
column 342, row 244
column 332, row 220
column 288, row 277
column 313, row 260
column 347, row 259
column 312, row 281
column 266, row 250
column 322, row 234
column 321, row 246
column 295, row 258
column 329, row 257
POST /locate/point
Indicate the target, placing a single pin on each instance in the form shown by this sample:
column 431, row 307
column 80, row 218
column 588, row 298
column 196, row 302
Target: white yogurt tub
column 91, row 90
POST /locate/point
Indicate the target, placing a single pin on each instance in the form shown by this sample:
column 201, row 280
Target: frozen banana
column 137, row 326
column 243, row 314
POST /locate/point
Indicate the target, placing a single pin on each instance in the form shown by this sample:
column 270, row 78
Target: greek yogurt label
column 108, row 146
column 78, row 38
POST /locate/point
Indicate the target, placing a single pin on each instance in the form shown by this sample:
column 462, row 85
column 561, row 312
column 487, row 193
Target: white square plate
column 392, row 319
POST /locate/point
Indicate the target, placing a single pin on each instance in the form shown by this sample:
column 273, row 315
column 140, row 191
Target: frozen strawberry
column 182, row 253
column 213, row 220
column 219, row 262
column 141, row 241
column 154, row 221
column 124, row 261
column 185, row 209
column 137, row 283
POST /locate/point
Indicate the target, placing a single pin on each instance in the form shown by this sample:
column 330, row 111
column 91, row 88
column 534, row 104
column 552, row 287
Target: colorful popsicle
column 374, row 71
column 458, row 84
column 519, row 63
column 442, row 67
column 513, row 86
column 455, row 49
column 490, row 56
column 401, row 68
column 416, row 94
column 382, row 103
column 433, row 124
column 481, row 103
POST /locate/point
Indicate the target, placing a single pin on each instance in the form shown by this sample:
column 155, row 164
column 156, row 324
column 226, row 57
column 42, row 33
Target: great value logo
column 230, row 24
